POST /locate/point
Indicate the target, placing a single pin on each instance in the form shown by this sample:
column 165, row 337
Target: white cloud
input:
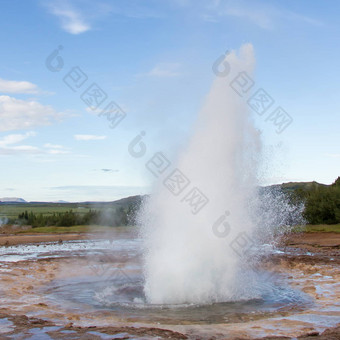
column 7, row 148
column 18, row 114
column 53, row 146
column 15, row 138
column 12, row 86
column 71, row 19
column 56, row 149
column 89, row 137
column 28, row 148
column 58, row 152
column 20, row 150
column 164, row 70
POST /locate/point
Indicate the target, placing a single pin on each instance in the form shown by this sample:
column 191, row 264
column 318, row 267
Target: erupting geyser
column 185, row 260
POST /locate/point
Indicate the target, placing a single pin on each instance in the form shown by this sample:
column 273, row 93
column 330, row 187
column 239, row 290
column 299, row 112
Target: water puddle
column 5, row 325
column 123, row 296
column 66, row 249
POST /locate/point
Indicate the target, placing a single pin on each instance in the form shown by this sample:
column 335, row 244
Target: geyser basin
column 127, row 301
column 87, row 297
column 124, row 297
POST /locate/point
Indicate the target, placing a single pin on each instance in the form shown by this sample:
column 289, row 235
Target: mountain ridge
column 288, row 186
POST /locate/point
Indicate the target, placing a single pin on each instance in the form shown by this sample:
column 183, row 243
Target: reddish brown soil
column 8, row 240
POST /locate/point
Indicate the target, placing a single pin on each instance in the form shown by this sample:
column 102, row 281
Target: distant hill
column 302, row 185
column 53, row 202
column 321, row 205
column 12, row 200
column 123, row 202
column 137, row 199
column 292, row 186
column 131, row 200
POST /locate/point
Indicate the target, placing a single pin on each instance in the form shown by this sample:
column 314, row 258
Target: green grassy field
column 12, row 211
column 73, row 229
column 326, row 228
column 95, row 228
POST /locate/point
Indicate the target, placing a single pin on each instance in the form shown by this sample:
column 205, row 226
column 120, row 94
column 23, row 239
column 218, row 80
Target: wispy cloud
column 53, row 146
column 71, row 18
column 7, row 147
column 56, row 149
column 77, row 17
column 133, row 9
column 88, row 137
column 265, row 16
column 302, row 18
column 12, row 86
column 109, row 170
column 333, row 155
column 15, row 138
column 20, row 149
column 16, row 114
column 257, row 16
column 164, row 70
column 58, row 152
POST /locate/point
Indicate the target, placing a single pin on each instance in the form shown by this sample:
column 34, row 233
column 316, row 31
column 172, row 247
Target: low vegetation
column 322, row 202
column 311, row 228
column 38, row 215
column 113, row 217
column 321, row 207
column 65, row 230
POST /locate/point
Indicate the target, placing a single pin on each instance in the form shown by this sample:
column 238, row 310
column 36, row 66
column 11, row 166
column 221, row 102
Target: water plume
column 185, row 260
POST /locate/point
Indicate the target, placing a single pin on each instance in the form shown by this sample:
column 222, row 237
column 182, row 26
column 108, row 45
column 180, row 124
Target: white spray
column 185, row 261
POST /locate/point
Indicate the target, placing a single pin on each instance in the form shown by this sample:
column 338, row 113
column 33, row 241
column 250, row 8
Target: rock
column 313, row 333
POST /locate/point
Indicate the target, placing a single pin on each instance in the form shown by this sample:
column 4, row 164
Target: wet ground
column 92, row 289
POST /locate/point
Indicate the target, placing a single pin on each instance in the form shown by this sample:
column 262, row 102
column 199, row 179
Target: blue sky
column 154, row 59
